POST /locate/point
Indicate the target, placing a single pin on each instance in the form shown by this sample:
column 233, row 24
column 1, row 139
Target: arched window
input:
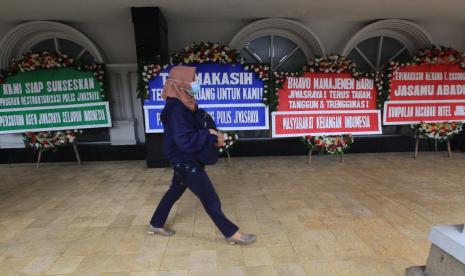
column 384, row 41
column 283, row 44
column 280, row 53
column 63, row 46
column 46, row 35
column 373, row 53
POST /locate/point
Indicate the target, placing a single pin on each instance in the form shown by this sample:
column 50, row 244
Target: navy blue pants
column 193, row 176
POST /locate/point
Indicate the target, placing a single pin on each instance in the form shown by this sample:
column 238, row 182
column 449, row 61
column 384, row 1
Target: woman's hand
column 220, row 137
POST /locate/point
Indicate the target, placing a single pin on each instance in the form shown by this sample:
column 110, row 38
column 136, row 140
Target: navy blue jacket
column 184, row 139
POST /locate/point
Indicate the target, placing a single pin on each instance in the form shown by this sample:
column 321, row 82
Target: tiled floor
column 368, row 216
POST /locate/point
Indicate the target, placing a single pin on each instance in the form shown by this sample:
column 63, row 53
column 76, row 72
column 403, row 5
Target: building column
column 122, row 91
column 447, row 253
column 11, row 141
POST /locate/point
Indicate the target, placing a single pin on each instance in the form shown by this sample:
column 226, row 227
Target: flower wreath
column 50, row 60
column 46, row 140
column 335, row 63
column 438, row 131
column 329, row 144
column 230, row 139
column 435, row 55
column 204, row 52
column 332, row 63
column 272, row 100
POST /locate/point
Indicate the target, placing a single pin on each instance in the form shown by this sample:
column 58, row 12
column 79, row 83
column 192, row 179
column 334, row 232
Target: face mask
column 195, row 88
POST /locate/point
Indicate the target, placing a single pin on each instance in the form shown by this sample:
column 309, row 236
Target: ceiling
column 106, row 11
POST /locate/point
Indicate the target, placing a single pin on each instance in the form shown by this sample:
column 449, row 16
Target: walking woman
column 184, row 143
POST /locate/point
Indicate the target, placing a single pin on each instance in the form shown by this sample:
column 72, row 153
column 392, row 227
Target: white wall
column 446, row 34
column 182, row 33
column 116, row 41
column 4, row 28
column 333, row 34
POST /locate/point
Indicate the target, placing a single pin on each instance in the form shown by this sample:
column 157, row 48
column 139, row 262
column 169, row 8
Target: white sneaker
column 161, row 231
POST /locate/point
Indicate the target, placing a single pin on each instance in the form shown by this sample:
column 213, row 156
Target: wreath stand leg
column 38, row 159
column 229, row 158
column 436, row 145
column 415, row 155
column 342, row 157
column 76, row 153
column 449, row 151
column 310, row 157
